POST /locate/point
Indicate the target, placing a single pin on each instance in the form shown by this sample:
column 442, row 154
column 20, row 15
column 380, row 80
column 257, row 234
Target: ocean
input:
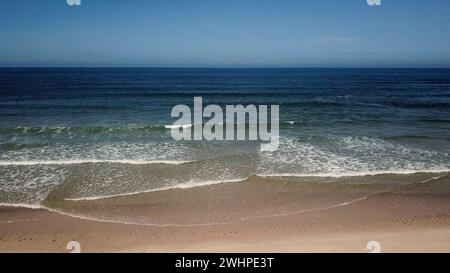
column 93, row 133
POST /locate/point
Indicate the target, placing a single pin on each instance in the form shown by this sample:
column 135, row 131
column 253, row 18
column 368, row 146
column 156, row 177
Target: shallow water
column 89, row 133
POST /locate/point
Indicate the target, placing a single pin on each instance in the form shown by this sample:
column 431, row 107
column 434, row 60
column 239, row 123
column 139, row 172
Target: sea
column 93, row 133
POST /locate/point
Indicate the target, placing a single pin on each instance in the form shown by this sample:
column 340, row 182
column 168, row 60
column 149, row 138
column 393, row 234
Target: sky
column 225, row 33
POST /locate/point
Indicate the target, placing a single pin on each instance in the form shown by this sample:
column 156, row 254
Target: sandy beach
column 257, row 215
column 225, row 127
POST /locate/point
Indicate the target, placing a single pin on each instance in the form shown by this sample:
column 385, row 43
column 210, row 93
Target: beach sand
column 257, row 215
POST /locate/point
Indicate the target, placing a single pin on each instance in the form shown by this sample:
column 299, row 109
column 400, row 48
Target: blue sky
column 225, row 33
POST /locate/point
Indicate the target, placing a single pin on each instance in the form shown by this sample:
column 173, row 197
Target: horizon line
column 224, row 67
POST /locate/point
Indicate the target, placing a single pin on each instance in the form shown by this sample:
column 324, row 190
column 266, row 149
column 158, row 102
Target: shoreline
column 260, row 215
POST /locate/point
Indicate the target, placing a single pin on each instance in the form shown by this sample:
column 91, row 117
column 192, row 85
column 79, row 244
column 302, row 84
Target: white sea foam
column 82, row 161
column 187, row 185
column 120, row 152
column 350, row 174
column 20, row 205
column 177, row 126
column 349, row 156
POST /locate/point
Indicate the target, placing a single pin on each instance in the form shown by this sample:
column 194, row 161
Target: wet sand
column 409, row 213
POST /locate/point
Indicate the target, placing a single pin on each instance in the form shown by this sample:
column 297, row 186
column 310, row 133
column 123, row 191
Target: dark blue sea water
column 98, row 132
